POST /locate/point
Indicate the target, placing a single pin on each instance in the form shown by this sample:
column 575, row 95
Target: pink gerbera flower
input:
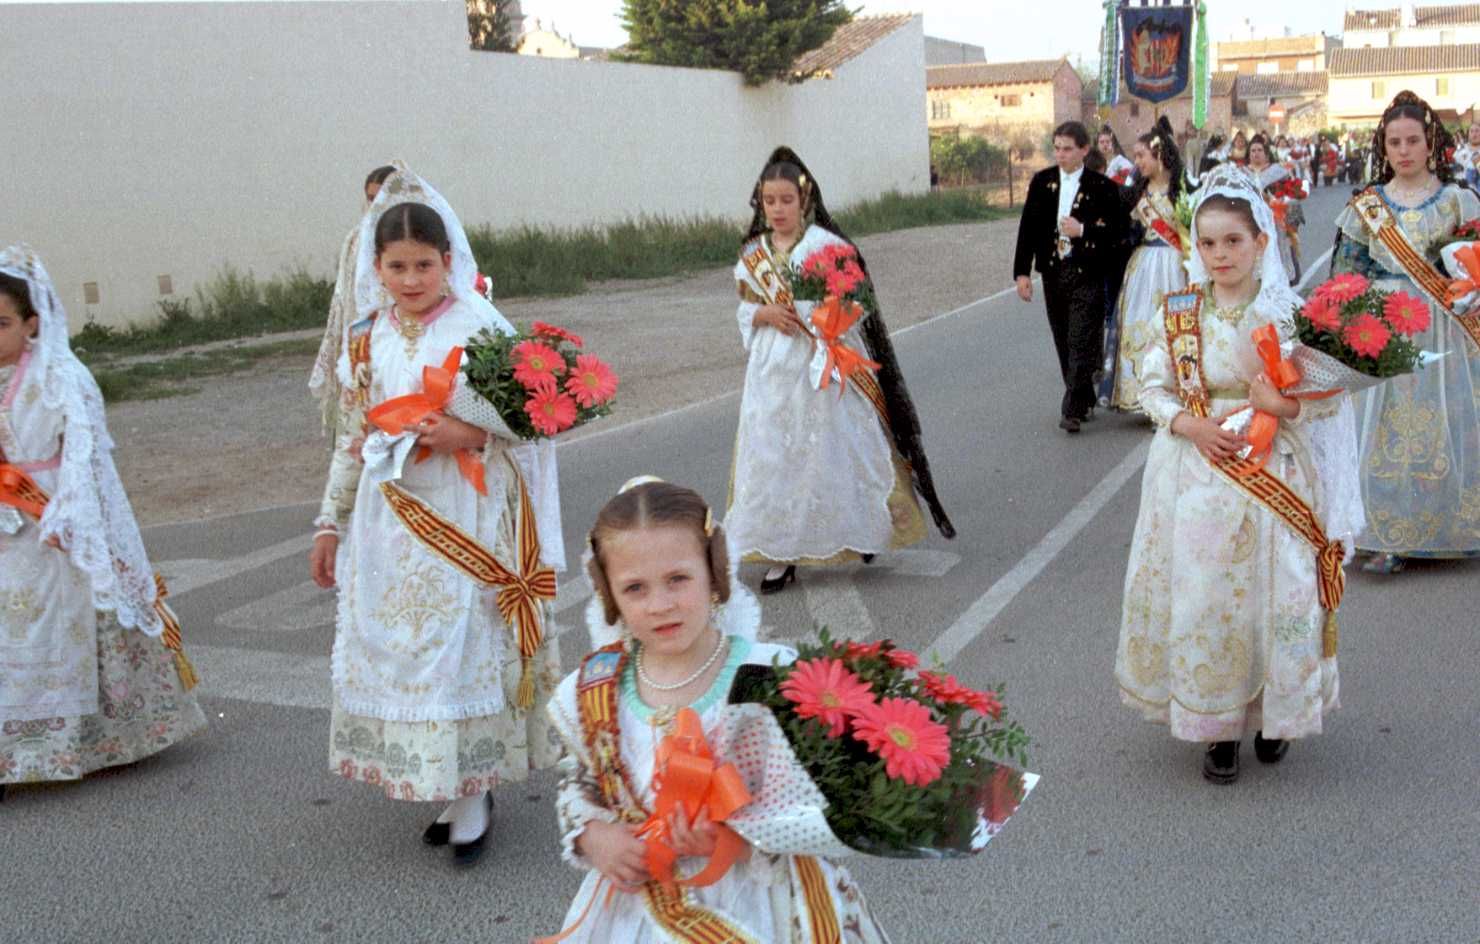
column 550, row 411
column 1367, row 335
column 901, row 658
column 915, row 748
column 555, row 333
column 536, row 365
column 592, row 383
column 1407, row 315
column 945, row 689
column 1343, row 288
column 823, row 689
column 1322, row 313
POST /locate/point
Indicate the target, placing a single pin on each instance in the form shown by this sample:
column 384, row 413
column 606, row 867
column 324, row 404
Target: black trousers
column 1075, row 299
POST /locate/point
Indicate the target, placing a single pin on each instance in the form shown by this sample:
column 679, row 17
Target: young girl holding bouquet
column 818, row 477
column 91, row 670
column 684, row 628
column 1224, row 628
column 437, row 695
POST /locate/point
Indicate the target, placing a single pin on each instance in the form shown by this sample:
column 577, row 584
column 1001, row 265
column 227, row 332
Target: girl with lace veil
column 1420, row 444
column 323, row 382
column 1223, row 630
column 93, row 674
column 437, row 696
column 818, row 478
column 672, row 628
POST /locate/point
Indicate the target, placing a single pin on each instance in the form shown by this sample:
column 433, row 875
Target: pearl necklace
column 721, row 646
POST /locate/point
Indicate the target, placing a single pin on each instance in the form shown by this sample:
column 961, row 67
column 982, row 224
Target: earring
column 385, row 297
column 446, row 285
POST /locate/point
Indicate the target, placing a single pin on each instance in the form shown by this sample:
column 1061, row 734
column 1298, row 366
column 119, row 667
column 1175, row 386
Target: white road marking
column 917, row 562
column 293, row 609
column 1313, row 269
column 833, row 601
column 971, row 624
column 184, row 576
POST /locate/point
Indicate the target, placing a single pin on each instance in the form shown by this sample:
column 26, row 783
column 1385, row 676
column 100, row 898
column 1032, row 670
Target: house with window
column 1002, row 100
column 1275, row 55
column 1364, row 80
column 1449, row 25
column 1300, row 96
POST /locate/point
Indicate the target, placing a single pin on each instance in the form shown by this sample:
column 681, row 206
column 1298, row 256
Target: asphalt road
column 1366, row 833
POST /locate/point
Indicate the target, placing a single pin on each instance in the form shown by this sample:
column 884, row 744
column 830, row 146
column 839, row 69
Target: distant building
column 1301, row 96
column 1364, row 80
column 539, row 41
column 1278, row 54
column 1451, row 25
column 948, row 52
column 1016, row 102
column 848, row 42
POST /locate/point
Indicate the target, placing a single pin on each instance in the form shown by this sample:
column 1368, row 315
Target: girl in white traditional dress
column 1268, row 174
column 661, row 571
column 818, row 478
column 1223, row 630
column 1155, row 267
column 433, row 700
column 1118, row 167
column 1421, row 432
column 323, row 382
column 91, row 670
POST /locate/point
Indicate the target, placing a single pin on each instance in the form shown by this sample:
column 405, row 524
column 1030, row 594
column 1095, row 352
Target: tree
column 760, row 39
column 490, row 27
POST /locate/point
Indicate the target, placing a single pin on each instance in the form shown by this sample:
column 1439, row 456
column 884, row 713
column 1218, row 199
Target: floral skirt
column 443, row 760
column 142, row 709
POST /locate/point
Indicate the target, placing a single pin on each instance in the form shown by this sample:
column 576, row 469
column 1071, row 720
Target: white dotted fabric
column 786, row 812
column 471, row 407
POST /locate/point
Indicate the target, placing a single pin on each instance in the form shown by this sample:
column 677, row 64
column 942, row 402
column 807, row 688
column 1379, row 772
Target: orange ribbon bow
column 832, row 318
column 397, row 413
column 688, row 778
column 1470, row 259
column 19, row 491
column 1282, row 374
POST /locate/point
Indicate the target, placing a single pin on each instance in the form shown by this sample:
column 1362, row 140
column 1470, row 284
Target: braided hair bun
column 1406, row 104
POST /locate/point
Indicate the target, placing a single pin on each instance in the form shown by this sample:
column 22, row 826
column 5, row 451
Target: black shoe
column 866, row 558
column 466, row 853
column 1069, row 424
column 1269, row 752
column 437, row 834
column 779, row 583
column 1220, row 763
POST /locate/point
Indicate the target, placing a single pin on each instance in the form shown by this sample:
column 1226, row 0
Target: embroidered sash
column 1377, row 218
column 1184, row 340
column 521, row 591
column 1157, row 223
column 20, row 491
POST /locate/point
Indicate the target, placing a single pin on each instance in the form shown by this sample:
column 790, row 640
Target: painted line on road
column 184, row 576
column 1314, row 268
column 971, row 624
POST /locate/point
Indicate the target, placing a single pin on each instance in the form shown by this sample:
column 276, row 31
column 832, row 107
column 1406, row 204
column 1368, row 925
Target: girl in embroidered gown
column 92, row 674
column 817, row 478
column 1118, row 167
column 1222, row 623
column 1155, row 266
column 323, row 382
column 1268, row 174
column 661, row 572
column 432, row 700
column 1420, row 432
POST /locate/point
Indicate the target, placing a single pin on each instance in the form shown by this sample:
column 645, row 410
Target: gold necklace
column 411, row 330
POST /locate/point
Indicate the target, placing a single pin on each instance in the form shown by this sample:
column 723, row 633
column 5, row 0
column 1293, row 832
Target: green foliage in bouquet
column 900, row 753
column 538, row 380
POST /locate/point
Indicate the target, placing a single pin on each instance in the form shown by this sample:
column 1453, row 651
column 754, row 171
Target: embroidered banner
column 1156, row 45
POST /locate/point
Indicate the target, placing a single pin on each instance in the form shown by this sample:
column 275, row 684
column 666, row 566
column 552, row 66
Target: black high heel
column 866, row 558
column 779, row 584
column 466, row 853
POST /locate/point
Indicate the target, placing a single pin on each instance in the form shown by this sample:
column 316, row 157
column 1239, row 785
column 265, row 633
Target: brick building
column 1014, row 102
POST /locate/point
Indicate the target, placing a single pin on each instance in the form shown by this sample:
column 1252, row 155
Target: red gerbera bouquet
column 833, row 278
column 1364, row 329
column 539, row 382
column 901, row 756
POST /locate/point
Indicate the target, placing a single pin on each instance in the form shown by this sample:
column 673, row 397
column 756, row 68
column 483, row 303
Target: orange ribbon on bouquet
column 688, row 778
column 832, row 318
column 1282, row 373
column 397, row 413
column 20, row 491
column 1468, row 257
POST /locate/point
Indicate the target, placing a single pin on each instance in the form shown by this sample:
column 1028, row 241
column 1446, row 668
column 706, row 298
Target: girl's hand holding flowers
column 441, row 433
column 616, row 852
column 782, row 319
column 1213, row 441
column 1263, row 395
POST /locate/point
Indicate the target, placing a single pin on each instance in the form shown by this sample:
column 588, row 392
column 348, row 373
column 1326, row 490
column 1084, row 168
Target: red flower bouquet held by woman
column 891, row 760
column 832, row 277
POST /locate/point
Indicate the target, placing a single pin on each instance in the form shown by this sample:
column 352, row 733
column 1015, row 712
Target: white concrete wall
column 143, row 139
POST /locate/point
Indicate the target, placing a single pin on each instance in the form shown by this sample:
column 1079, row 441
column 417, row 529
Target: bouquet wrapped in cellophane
column 854, row 748
column 833, row 278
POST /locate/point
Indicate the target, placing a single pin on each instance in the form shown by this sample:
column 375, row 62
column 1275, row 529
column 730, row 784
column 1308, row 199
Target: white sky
column 1001, row 26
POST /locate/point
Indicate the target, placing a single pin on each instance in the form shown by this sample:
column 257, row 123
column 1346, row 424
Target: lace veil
column 89, row 513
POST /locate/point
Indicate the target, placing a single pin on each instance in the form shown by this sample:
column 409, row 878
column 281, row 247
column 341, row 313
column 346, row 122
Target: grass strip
column 170, row 376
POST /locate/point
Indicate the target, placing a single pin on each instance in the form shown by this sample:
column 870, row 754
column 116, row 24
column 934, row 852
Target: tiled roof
column 1398, row 60
column 1278, row 46
column 1455, row 14
column 1371, row 20
column 1273, row 84
column 993, row 73
column 849, row 41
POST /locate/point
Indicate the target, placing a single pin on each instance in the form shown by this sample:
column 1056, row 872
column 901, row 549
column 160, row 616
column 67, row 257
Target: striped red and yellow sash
column 20, row 491
column 822, row 918
column 1377, row 217
column 521, row 591
column 1184, row 340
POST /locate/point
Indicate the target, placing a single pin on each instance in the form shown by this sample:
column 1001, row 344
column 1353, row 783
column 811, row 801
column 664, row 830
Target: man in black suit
column 1069, row 231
